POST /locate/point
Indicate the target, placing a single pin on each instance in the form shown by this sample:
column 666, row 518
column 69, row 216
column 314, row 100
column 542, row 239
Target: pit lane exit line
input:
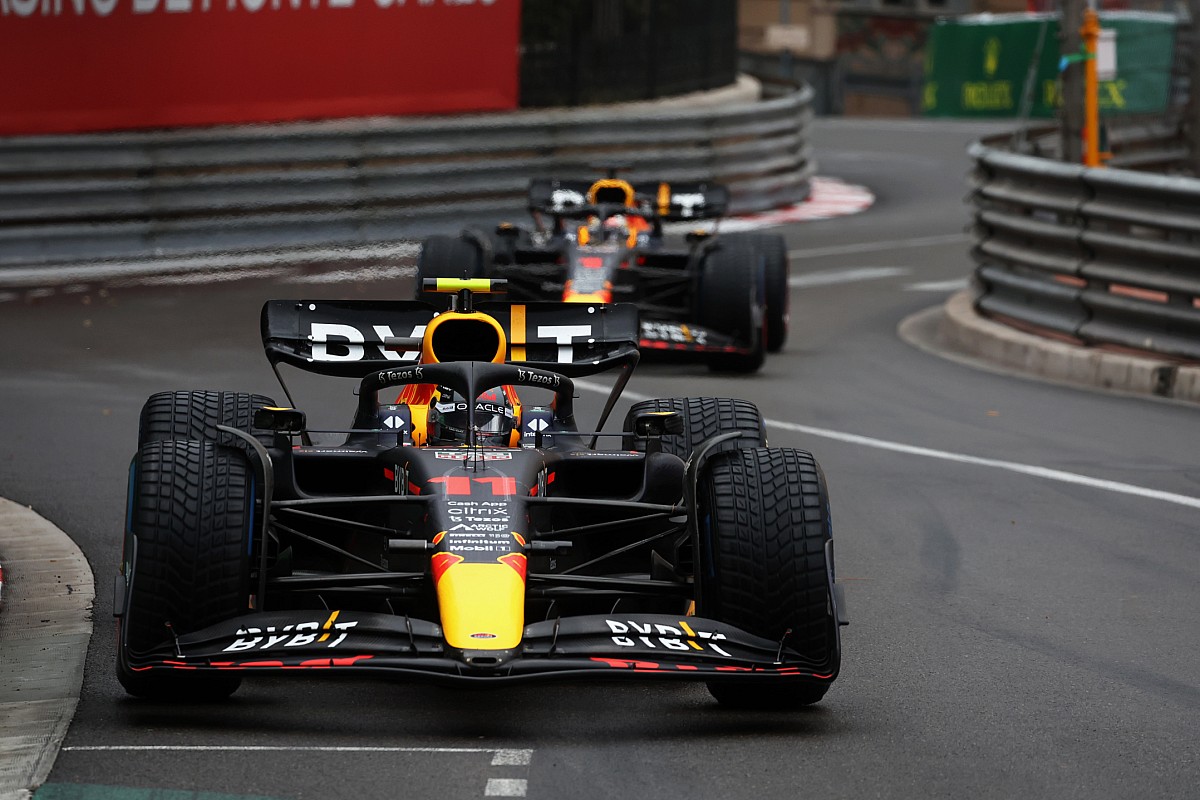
column 1031, row 470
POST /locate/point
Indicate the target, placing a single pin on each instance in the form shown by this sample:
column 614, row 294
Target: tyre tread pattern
column 764, row 560
column 195, row 415
column 778, row 291
column 703, row 418
column 731, row 284
column 191, row 514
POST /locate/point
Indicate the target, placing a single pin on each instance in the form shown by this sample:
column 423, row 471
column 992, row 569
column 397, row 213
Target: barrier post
column 1071, row 115
column 1090, row 33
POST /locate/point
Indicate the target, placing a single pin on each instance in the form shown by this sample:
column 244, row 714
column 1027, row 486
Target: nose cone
column 482, row 604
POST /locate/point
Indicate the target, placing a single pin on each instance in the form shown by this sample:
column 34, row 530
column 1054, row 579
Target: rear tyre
column 196, row 415
column 778, row 293
column 191, row 505
column 505, row 240
column 446, row 257
column 731, row 296
column 762, row 564
column 703, row 418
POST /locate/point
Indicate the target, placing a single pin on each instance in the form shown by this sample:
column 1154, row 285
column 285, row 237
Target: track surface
column 1013, row 634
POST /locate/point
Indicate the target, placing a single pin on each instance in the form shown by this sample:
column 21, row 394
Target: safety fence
column 79, row 199
column 1105, row 256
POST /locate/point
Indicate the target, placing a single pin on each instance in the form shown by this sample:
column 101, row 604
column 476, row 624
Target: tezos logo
column 537, row 378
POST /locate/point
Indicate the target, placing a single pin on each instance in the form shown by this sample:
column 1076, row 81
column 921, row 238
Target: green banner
column 978, row 66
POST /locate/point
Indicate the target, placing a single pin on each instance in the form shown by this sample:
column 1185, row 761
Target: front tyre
column 191, row 507
column 196, row 415
column 776, row 274
column 703, row 418
column 763, row 565
column 731, row 301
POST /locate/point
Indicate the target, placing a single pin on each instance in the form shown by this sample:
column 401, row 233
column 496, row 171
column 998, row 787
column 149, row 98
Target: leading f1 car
column 721, row 297
column 463, row 527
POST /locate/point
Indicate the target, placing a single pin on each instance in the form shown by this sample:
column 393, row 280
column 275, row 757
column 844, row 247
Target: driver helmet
column 495, row 419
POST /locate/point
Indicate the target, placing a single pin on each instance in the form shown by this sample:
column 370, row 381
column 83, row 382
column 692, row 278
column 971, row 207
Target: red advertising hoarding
column 90, row 65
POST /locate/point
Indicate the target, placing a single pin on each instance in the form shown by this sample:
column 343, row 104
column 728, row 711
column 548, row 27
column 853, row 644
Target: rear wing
column 345, row 338
column 669, row 202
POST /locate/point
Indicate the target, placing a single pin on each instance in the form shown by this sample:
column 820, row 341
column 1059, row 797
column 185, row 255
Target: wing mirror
column 283, row 420
column 657, row 423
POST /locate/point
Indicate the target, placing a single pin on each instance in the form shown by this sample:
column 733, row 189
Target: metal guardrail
column 1095, row 256
column 74, row 199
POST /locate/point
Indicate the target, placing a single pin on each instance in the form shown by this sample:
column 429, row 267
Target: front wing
column 665, row 336
column 665, row 327
column 596, row 647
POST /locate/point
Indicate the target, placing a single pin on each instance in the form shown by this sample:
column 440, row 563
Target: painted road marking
column 878, row 247
column 505, row 787
column 495, row 787
column 828, row 198
column 512, row 758
column 85, row 791
column 1009, row 466
column 939, row 286
column 250, row 748
column 1031, row 470
column 836, row 276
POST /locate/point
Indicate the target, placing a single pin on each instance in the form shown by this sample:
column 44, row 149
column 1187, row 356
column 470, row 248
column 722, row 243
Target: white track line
column 495, row 787
column 1031, row 470
column 1009, row 466
column 836, row 276
column 873, row 247
column 939, row 286
column 501, row 757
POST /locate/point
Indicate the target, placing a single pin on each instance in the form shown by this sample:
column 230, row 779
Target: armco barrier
column 1097, row 256
column 75, row 199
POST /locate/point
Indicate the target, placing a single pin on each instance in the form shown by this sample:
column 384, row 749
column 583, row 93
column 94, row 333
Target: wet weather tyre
column 776, row 274
column 446, row 257
column 191, row 508
column 703, row 418
column 731, row 300
column 196, row 415
column 505, row 240
column 763, row 565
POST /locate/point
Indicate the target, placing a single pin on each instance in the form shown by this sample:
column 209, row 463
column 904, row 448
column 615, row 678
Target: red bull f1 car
column 721, row 297
column 463, row 527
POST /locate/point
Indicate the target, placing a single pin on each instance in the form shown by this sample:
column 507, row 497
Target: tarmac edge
column 45, row 628
column 955, row 330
